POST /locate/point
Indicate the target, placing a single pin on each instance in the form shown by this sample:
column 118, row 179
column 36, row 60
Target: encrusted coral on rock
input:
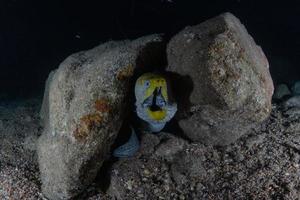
column 83, row 110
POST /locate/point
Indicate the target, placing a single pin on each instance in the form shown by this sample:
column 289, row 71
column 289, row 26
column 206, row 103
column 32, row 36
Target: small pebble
column 166, row 187
column 28, row 118
column 146, row 172
column 181, row 197
column 129, row 185
column 144, row 179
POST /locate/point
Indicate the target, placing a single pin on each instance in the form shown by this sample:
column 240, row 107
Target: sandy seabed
column 264, row 164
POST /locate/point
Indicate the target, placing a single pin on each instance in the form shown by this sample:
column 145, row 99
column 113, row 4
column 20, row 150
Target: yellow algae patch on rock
column 87, row 123
column 125, row 72
column 102, row 105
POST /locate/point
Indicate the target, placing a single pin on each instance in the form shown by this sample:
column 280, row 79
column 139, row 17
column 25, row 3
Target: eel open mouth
column 156, row 101
column 155, row 105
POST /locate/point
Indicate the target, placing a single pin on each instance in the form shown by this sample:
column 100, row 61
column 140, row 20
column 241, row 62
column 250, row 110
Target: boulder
column 293, row 102
column 281, row 91
column 231, row 86
column 83, row 110
column 296, row 88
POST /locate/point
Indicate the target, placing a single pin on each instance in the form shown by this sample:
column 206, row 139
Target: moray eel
column 153, row 107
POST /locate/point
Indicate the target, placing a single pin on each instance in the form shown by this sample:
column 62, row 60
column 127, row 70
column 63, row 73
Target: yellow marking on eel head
column 153, row 81
column 157, row 115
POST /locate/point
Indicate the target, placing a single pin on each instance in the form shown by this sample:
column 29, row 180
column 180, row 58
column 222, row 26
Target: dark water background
column 36, row 35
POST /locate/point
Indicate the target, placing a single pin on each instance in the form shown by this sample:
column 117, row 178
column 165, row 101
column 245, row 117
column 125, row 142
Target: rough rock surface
column 229, row 75
column 83, row 111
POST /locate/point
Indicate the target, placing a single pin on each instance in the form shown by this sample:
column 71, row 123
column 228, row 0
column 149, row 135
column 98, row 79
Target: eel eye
column 147, row 83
